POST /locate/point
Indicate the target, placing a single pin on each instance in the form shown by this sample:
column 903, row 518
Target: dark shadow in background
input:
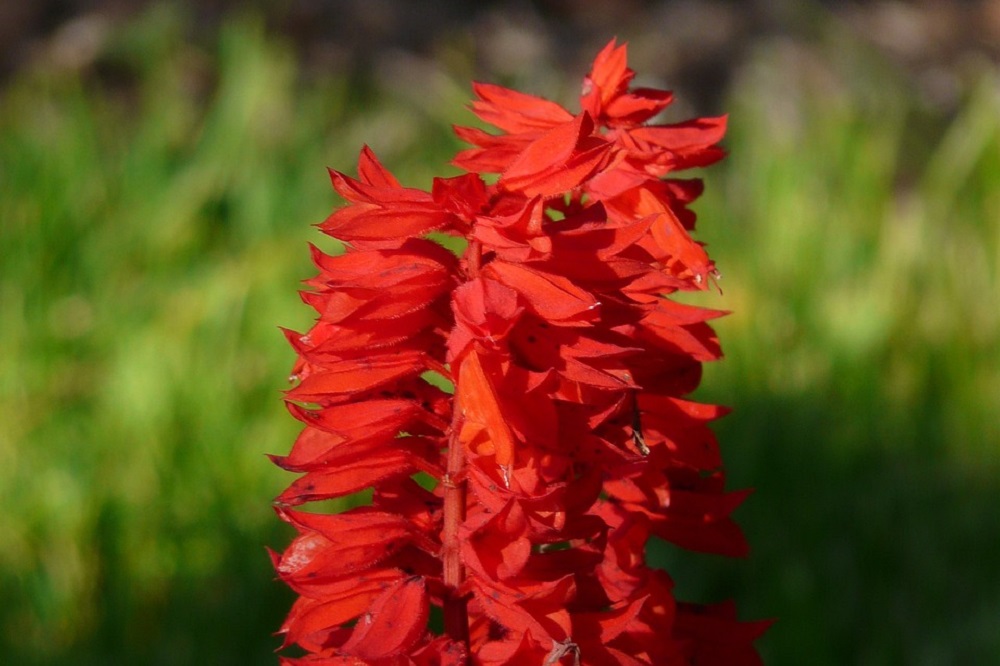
column 693, row 44
column 865, row 556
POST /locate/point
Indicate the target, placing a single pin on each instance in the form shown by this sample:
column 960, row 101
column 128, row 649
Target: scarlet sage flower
column 510, row 513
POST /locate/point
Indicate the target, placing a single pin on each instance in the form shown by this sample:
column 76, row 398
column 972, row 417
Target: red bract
column 519, row 501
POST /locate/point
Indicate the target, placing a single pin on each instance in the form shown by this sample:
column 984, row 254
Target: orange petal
column 478, row 401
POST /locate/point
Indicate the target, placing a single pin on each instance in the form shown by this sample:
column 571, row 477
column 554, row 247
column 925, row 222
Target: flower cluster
column 517, row 412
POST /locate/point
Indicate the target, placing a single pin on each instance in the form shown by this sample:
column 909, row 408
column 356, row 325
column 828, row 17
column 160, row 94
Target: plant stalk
column 456, row 620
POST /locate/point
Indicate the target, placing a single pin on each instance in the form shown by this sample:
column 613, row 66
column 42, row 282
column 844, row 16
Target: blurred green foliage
column 153, row 227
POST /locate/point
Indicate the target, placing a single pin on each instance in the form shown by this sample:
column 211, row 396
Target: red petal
column 477, row 400
column 348, row 477
column 396, row 621
column 609, row 76
column 367, row 421
column 364, row 192
column 696, row 341
column 552, row 297
column 334, row 545
column 498, row 547
column 356, row 375
column 552, row 148
column 604, row 239
column 539, row 607
column 371, row 171
column 333, row 604
column 514, row 111
column 607, row 626
column 463, row 195
column 485, row 310
column 717, row 638
column 382, row 268
column 673, row 239
column 356, row 336
column 495, row 153
column 557, row 161
column 521, row 649
column 685, row 137
column 364, row 221
column 637, row 107
column 561, row 177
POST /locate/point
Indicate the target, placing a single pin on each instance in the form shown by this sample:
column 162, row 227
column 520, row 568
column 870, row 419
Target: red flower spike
column 519, row 500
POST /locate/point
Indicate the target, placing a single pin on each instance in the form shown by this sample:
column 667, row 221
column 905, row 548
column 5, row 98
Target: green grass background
column 153, row 233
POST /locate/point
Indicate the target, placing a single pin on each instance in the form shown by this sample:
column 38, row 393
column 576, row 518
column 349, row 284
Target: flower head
column 521, row 502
